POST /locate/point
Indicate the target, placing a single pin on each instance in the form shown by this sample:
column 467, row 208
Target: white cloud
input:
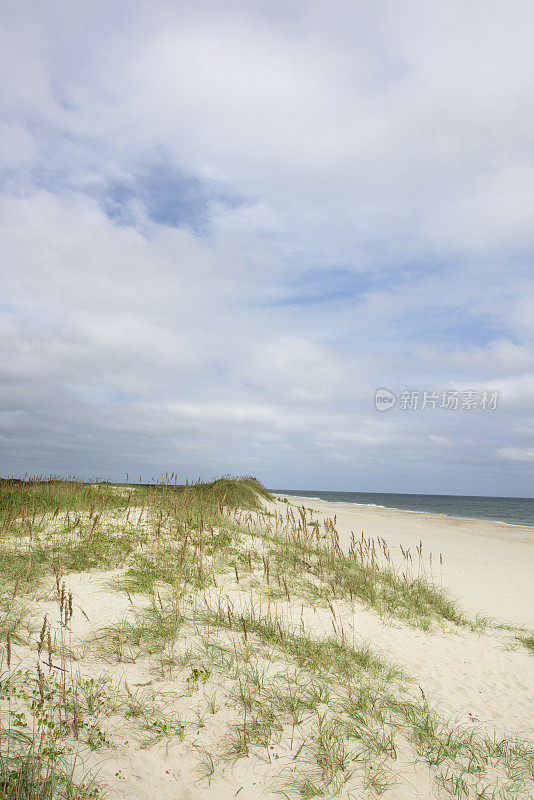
column 517, row 454
column 502, row 357
column 17, row 145
column 422, row 112
column 388, row 144
column 515, row 392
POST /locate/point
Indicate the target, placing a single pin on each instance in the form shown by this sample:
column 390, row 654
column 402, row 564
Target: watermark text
column 446, row 399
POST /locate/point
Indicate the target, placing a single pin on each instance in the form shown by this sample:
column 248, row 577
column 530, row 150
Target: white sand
column 483, row 680
column 488, row 566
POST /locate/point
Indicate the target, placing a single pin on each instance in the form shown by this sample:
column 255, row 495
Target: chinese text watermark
column 447, row 399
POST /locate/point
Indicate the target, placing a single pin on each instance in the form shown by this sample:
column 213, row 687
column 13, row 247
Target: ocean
column 507, row 510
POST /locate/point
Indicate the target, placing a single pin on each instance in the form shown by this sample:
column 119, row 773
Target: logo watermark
column 447, row 399
column 384, row 399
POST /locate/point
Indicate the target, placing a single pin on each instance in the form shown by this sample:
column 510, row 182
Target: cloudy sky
column 223, row 225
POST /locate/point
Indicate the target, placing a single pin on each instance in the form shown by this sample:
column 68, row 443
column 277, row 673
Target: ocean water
column 507, row 510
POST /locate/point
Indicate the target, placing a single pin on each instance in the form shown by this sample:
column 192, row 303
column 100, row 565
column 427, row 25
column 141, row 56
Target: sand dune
column 488, row 566
column 204, row 712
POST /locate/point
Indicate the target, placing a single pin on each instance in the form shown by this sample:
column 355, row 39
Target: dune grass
column 528, row 642
column 361, row 716
column 212, row 580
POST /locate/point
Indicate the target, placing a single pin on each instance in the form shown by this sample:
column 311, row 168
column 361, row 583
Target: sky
column 224, row 225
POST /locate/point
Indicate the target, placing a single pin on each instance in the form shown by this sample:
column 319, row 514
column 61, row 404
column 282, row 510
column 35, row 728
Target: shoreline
column 405, row 510
column 221, row 648
column 487, row 566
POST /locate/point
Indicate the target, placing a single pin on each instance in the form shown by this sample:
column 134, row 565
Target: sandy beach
column 233, row 659
column 487, row 566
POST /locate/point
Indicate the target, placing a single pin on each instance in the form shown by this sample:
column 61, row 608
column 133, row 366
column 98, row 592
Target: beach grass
column 239, row 609
column 528, row 642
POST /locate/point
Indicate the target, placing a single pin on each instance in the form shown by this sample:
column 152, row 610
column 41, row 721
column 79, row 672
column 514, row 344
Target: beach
column 487, row 566
column 211, row 642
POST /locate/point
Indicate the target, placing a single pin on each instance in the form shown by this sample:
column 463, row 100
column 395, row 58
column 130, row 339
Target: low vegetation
column 235, row 615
